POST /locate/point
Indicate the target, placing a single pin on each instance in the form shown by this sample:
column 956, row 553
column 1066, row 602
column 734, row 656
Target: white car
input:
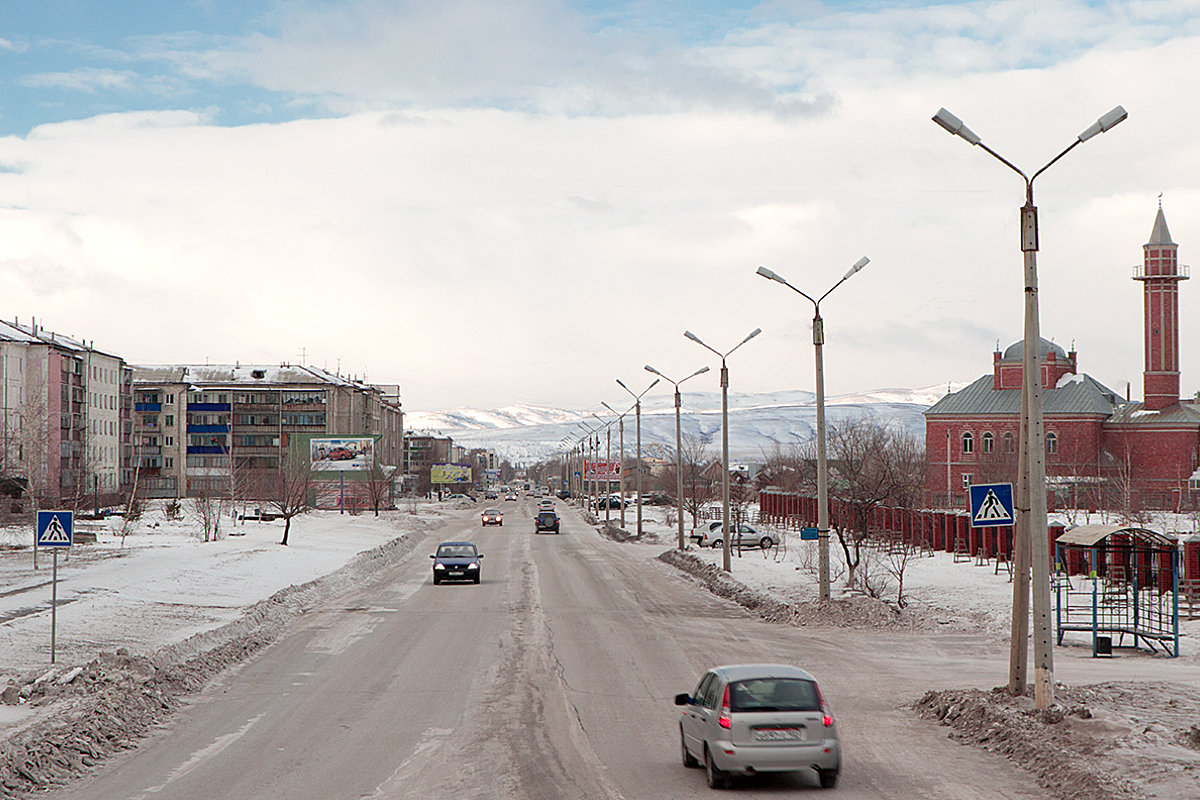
column 712, row 535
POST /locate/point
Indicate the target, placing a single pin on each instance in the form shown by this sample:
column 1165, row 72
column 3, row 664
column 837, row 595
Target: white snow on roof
column 1067, row 380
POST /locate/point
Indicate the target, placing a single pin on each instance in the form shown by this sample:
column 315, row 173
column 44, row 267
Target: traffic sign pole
column 53, row 606
column 55, row 529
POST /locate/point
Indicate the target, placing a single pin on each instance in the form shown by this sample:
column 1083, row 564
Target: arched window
column 1010, row 443
column 1051, row 443
column 968, row 443
column 989, row 442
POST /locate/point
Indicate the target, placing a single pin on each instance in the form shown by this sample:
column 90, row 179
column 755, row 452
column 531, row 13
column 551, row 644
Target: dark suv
column 545, row 522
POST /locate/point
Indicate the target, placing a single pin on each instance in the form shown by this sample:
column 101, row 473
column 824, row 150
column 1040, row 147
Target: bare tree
column 289, row 495
column 208, row 509
column 378, row 483
column 871, row 466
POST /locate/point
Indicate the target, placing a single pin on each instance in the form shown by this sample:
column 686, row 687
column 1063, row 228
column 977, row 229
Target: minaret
column 1160, row 275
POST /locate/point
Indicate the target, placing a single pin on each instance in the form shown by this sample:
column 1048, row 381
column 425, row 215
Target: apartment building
column 199, row 426
column 65, row 417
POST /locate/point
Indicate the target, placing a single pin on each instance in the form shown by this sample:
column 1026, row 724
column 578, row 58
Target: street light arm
column 858, row 265
column 698, row 341
column 749, row 336
column 775, row 276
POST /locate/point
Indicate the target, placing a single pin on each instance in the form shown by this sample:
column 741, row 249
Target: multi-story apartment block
column 66, row 425
column 199, row 426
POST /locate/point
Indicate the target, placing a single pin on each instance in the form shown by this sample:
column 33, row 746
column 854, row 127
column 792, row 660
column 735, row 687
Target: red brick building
column 1101, row 450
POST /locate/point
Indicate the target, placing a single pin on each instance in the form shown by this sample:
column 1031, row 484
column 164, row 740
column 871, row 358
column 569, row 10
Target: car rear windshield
column 547, row 516
column 774, row 694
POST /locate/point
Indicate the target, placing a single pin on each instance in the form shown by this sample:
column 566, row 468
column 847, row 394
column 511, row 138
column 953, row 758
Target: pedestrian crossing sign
column 55, row 528
column 991, row 505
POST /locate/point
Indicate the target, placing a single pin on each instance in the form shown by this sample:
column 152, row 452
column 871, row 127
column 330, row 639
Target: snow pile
column 1105, row 740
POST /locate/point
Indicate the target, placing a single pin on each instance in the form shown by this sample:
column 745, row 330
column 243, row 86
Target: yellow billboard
column 449, row 473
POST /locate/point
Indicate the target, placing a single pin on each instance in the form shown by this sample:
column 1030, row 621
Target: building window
column 966, row 478
column 988, row 442
column 968, row 443
column 1010, row 443
column 1051, row 443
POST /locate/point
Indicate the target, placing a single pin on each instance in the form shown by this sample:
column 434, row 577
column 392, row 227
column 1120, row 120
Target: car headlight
column 472, row 566
column 439, row 566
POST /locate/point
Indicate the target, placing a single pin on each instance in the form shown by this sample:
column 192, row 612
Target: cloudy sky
column 519, row 201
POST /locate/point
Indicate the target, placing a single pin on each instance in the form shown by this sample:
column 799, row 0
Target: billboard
column 341, row 455
column 601, row 470
column 449, row 473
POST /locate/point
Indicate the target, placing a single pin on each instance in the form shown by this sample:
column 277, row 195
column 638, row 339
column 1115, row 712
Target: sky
column 498, row 202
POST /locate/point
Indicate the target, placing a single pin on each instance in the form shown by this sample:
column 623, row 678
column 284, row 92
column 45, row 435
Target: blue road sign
column 55, row 528
column 809, row 533
column 991, row 505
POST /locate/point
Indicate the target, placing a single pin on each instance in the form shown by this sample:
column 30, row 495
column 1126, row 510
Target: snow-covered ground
column 160, row 583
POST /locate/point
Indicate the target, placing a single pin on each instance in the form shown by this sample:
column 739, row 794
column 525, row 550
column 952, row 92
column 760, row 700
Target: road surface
column 551, row 679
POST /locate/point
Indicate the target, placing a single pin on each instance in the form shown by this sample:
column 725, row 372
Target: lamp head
column 954, row 125
column 1109, row 120
column 751, row 335
column 623, row 386
column 700, row 371
column 768, row 274
column 862, row 262
column 693, row 337
column 653, row 370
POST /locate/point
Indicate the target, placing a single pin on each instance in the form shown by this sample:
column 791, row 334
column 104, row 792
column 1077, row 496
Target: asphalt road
column 551, row 679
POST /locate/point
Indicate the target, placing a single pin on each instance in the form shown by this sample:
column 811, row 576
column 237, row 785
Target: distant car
column 492, row 517
column 489, row 495
column 510, row 496
column 711, row 535
column 563, row 494
column 456, row 561
column 545, row 522
column 657, row 499
column 612, row 501
column 749, row 718
column 545, row 505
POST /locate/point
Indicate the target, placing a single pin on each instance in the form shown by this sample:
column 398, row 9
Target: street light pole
column 1031, row 487
column 607, row 461
column 637, row 410
column 621, row 471
column 678, row 445
column 822, row 464
column 725, row 532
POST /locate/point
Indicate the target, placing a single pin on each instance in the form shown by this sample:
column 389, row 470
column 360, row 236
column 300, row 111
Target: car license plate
column 776, row 734
column 455, row 573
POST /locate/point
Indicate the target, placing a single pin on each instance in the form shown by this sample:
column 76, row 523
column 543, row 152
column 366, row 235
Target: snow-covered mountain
column 759, row 424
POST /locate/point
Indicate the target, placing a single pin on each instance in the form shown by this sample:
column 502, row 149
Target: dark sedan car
column 456, row 561
column 545, row 522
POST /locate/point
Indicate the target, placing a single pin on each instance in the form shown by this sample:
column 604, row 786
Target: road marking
column 202, row 755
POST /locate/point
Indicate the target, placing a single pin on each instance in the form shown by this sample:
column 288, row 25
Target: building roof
column 1074, row 394
column 1160, row 234
column 1016, row 351
column 1089, row 535
column 31, row 334
column 240, row 375
column 1187, row 414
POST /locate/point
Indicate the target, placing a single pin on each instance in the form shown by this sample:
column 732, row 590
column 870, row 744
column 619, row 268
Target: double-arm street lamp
column 725, row 532
column 678, row 445
column 621, row 457
column 607, row 462
column 637, row 406
column 589, row 457
column 1031, row 540
column 822, row 466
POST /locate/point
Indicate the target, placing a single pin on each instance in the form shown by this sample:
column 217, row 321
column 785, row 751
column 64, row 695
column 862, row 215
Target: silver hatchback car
column 749, row 718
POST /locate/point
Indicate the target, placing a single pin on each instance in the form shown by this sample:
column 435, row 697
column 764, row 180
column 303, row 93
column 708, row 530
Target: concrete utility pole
column 822, row 466
column 637, row 410
column 1031, row 486
column 726, row 534
column 678, row 446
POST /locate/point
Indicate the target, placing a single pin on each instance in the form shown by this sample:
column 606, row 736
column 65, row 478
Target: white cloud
column 483, row 257
column 88, row 79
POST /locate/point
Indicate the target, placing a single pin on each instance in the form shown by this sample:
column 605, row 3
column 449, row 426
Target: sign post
column 55, row 529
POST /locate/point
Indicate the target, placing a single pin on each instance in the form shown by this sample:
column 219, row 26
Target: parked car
column 701, row 533
column 711, row 535
column 657, row 499
column 612, row 501
column 748, row 718
column 456, row 561
column 545, row 522
column 492, row 517
column 563, row 494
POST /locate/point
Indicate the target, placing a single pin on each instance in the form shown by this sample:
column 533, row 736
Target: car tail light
column 725, row 721
column 826, row 715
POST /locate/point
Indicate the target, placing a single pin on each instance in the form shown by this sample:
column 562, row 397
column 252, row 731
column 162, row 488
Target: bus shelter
column 1118, row 581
